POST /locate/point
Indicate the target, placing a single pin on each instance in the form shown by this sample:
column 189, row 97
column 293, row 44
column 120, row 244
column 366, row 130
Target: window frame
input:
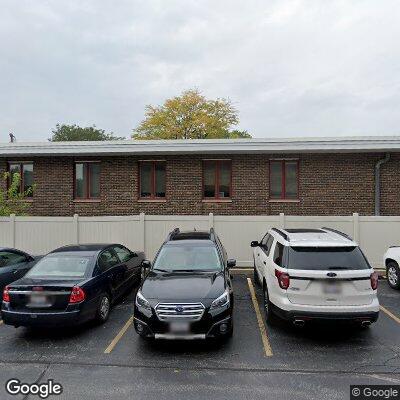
column 218, row 163
column 17, row 253
column 283, row 184
column 112, row 251
column 278, row 245
column 21, row 173
column 264, row 247
column 153, row 179
column 87, row 185
column 120, row 246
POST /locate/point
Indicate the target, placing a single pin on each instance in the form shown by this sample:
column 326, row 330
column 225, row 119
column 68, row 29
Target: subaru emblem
column 179, row 309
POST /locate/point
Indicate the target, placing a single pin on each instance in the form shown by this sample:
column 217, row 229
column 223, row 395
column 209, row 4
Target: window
column 25, row 171
column 266, row 243
column 278, row 254
column 8, row 258
column 283, row 179
column 87, row 180
column 123, row 253
column 190, row 257
column 327, row 258
column 152, row 177
column 217, row 179
column 107, row 259
column 56, row 266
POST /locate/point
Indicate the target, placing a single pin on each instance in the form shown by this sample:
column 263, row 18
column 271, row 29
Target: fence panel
column 6, row 233
column 376, row 235
column 124, row 230
column 39, row 235
column 236, row 233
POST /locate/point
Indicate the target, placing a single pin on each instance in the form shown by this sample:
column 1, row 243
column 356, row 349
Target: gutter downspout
column 378, row 183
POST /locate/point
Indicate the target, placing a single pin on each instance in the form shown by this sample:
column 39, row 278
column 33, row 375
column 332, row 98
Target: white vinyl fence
column 39, row 235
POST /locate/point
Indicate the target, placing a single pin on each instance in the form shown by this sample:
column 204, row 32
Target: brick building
column 335, row 176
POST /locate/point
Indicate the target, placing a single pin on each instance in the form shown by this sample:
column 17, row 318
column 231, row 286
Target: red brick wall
column 335, row 184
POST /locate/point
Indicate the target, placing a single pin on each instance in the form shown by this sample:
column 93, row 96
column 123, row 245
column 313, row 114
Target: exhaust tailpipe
column 299, row 322
column 365, row 324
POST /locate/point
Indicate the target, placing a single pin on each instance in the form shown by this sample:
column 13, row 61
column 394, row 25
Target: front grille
column 179, row 311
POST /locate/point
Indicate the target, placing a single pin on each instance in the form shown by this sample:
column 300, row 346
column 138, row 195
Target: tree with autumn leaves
column 190, row 116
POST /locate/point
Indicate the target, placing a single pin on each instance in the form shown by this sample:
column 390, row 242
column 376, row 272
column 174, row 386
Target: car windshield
column 61, row 266
column 188, row 258
column 327, row 258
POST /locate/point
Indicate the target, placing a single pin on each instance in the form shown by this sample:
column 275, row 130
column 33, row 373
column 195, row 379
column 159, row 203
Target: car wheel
column 269, row 314
column 393, row 275
column 103, row 310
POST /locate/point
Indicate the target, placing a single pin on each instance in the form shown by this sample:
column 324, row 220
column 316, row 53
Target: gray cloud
column 291, row 67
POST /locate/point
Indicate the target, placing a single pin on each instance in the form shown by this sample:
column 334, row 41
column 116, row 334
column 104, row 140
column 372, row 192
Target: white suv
column 310, row 274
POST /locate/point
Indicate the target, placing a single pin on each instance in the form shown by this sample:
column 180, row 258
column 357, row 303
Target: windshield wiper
column 161, row 270
column 339, row 268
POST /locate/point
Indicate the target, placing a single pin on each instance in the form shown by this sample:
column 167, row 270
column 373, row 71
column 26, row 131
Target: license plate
column 332, row 288
column 38, row 300
column 179, row 327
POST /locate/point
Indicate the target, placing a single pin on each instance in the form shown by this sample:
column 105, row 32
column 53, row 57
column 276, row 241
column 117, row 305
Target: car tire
column 393, row 275
column 103, row 309
column 270, row 317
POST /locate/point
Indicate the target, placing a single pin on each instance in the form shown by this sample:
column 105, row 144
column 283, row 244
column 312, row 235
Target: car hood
column 183, row 286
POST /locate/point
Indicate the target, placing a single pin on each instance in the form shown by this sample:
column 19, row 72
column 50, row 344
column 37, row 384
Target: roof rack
column 286, row 237
column 172, row 234
column 212, row 235
column 337, row 232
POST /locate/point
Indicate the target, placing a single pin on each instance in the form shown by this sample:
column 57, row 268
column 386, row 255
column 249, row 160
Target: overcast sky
column 291, row 67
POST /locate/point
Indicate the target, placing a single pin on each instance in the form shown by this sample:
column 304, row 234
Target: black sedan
column 72, row 285
column 14, row 264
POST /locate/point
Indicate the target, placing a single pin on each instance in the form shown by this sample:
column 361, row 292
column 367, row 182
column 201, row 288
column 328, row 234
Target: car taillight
column 6, row 295
column 374, row 280
column 283, row 279
column 77, row 295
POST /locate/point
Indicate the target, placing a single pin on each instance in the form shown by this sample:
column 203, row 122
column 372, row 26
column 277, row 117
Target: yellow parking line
column 387, row 312
column 117, row 338
column 261, row 326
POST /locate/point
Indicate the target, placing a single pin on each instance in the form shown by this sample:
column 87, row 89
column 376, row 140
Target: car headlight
column 221, row 301
column 141, row 302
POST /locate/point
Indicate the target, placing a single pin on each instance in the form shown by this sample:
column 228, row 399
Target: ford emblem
column 331, row 274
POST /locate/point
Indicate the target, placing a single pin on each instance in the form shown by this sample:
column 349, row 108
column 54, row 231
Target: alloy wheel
column 104, row 307
column 392, row 276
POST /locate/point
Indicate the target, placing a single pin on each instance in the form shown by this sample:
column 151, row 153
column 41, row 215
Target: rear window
column 326, row 258
column 61, row 266
column 196, row 258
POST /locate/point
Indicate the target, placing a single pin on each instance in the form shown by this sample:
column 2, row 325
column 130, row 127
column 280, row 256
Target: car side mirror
column 254, row 243
column 231, row 263
column 146, row 265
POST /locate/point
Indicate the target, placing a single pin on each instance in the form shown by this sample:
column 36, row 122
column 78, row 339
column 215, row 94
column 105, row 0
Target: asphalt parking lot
column 111, row 361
